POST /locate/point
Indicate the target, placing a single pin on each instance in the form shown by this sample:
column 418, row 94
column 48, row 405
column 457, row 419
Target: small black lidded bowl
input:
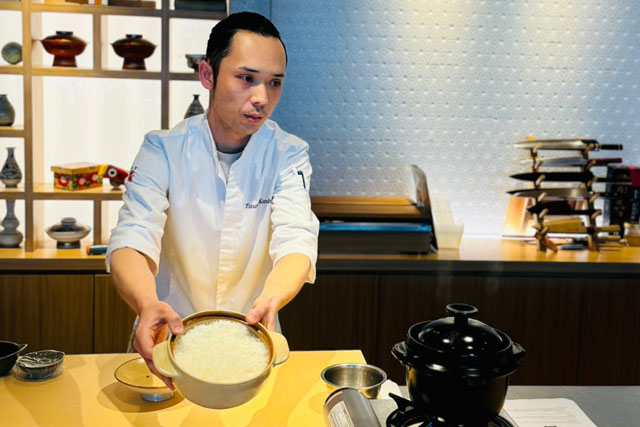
column 40, row 365
column 8, row 355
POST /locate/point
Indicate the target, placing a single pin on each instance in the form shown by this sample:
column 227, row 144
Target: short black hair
column 222, row 33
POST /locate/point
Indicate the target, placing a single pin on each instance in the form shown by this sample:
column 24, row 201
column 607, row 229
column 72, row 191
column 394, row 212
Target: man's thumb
column 175, row 325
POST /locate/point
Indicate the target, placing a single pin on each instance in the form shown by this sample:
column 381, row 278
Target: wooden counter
column 86, row 393
column 488, row 256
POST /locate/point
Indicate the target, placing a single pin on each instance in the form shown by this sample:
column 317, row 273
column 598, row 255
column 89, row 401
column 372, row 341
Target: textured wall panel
column 376, row 85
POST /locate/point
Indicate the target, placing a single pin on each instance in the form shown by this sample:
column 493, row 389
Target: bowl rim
column 20, row 347
column 130, row 361
column 354, row 365
column 202, row 316
column 57, row 353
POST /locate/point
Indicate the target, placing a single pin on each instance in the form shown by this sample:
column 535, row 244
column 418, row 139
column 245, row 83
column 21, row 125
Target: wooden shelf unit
column 32, row 189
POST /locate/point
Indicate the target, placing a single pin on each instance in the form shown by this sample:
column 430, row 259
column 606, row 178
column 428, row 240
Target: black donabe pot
column 458, row 368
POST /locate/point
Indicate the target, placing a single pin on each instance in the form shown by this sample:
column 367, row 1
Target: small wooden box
column 77, row 176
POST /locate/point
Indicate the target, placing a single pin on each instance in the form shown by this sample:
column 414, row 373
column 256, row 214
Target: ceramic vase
column 195, row 108
column 10, row 175
column 7, row 113
column 10, row 237
column 12, row 53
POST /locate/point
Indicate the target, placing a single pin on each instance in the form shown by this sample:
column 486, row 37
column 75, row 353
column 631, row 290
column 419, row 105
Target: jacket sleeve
column 295, row 227
column 142, row 217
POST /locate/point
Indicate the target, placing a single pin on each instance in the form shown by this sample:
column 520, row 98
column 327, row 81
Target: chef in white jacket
column 216, row 212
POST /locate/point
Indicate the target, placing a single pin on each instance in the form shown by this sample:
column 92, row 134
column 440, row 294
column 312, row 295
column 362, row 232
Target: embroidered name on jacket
column 258, row 203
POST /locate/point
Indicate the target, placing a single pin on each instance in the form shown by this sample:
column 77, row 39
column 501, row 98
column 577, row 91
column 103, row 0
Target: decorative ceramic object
column 10, row 175
column 134, row 49
column 10, row 237
column 116, row 175
column 193, row 61
column 12, row 53
column 208, row 5
column 40, row 365
column 64, row 47
column 68, row 233
column 194, row 108
column 7, row 113
column 78, row 176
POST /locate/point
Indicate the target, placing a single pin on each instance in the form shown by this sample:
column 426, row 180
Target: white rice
column 221, row 351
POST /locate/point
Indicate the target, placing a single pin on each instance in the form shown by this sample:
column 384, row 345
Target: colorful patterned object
column 116, row 175
column 78, row 176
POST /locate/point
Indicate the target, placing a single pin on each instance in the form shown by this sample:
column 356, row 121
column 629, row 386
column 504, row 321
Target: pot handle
column 161, row 360
column 518, row 352
column 400, row 352
column 280, row 347
column 22, row 347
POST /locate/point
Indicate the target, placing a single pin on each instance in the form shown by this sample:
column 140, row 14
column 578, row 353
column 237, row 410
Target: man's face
column 248, row 87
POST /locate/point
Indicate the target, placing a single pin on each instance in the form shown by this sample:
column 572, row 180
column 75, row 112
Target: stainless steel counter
column 610, row 406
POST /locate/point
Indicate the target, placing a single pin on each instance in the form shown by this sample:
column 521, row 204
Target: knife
column 567, row 144
column 559, row 208
column 558, row 193
column 586, row 176
column 572, row 161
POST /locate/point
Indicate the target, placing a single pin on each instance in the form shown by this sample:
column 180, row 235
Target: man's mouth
column 252, row 118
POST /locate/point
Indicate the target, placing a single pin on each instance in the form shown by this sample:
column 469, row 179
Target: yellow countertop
column 86, row 393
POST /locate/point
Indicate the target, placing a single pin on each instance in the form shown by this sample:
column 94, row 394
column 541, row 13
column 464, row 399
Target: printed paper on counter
column 547, row 413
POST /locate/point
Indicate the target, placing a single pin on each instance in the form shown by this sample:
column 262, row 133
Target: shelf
column 95, row 10
column 197, row 14
column 11, row 193
column 84, row 72
column 50, row 258
column 11, row 131
column 10, row 5
column 11, row 69
column 48, row 192
column 184, row 76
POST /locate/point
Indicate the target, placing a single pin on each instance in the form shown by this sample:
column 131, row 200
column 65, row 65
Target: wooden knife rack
column 542, row 231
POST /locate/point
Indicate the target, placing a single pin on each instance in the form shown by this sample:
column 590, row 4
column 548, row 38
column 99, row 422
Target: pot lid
column 68, row 224
column 460, row 335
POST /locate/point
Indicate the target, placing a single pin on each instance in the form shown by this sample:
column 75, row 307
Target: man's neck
column 226, row 143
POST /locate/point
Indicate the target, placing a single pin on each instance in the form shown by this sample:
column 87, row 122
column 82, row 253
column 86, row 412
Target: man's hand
column 152, row 330
column 264, row 311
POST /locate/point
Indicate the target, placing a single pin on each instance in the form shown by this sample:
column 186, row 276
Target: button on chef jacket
column 214, row 242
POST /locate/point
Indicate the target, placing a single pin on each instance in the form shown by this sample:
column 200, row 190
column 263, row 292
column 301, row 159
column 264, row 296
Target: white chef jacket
column 219, row 240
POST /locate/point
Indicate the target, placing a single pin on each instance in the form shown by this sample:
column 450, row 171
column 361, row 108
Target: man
column 218, row 207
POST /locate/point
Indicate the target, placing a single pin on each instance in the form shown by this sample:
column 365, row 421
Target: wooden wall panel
column 113, row 318
column 336, row 312
column 47, row 311
column 540, row 314
column 610, row 347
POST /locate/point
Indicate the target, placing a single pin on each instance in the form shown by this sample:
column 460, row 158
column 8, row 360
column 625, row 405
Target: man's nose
column 259, row 97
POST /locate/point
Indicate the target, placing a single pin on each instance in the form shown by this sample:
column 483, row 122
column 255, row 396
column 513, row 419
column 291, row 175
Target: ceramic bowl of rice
column 220, row 361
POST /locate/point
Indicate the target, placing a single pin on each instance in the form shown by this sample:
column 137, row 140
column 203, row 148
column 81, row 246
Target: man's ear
column 205, row 72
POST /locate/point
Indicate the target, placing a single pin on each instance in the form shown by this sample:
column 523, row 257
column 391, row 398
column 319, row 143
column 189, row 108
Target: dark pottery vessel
column 40, row 365
column 458, row 368
column 8, row 355
column 12, row 53
column 7, row 113
column 10, row 237
column 134, row 49
column 10, row 174
column 195, row 107
column 64, row 47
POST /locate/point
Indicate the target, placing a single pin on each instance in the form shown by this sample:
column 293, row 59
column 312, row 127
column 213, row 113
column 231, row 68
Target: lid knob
column 461, row 313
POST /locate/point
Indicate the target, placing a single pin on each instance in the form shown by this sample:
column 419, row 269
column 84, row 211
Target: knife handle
column 616, row 147
column 603, row 161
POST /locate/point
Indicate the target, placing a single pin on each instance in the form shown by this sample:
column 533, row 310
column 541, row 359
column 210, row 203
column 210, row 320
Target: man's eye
column 247, row 79
column 276, row 83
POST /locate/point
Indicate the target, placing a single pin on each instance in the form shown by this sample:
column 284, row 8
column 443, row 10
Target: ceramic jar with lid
column 68, row 233
column 64, row 47
column 134, row 49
